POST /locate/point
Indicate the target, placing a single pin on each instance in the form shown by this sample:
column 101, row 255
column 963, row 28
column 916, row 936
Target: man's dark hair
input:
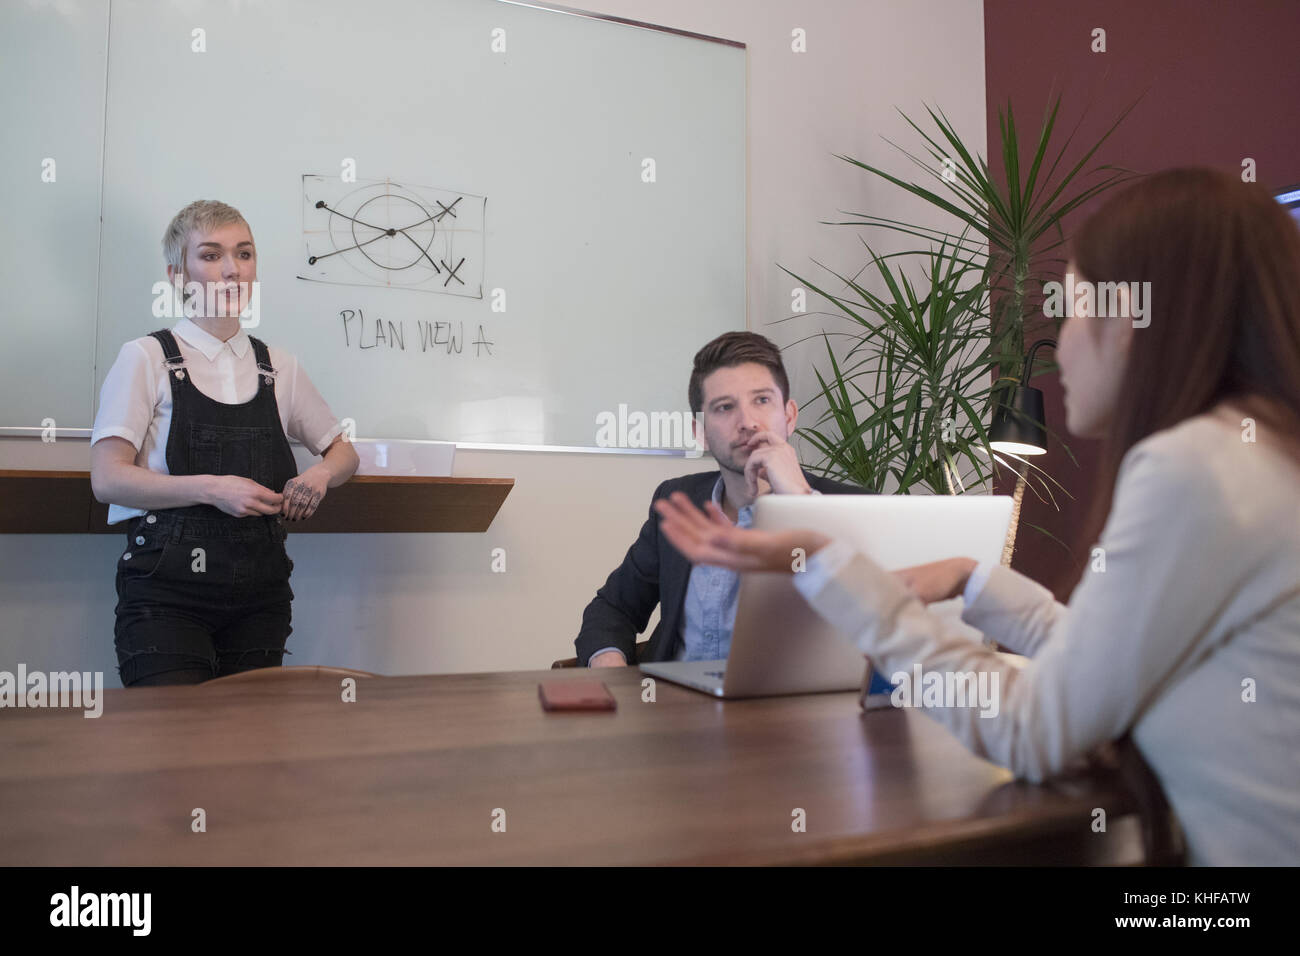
column 731, row 349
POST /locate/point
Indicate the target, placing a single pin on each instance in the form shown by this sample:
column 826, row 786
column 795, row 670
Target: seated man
column 740, row 394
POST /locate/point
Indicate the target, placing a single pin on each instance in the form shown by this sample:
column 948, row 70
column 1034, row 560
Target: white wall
column 430, row 603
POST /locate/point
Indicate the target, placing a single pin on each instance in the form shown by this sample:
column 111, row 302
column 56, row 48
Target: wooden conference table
column 413, row 772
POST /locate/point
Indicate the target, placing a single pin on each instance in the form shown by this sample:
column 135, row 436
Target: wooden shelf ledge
column 60, row 502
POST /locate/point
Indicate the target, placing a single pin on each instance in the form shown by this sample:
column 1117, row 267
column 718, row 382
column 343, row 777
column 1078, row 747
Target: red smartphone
column 575, row 695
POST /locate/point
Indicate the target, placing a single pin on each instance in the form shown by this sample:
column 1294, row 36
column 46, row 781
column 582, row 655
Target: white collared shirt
column 135, row 402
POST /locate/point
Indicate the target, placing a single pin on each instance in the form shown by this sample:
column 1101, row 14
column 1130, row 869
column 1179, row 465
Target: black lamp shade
column 1018, row 427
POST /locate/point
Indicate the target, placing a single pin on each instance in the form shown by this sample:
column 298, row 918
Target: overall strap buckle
column 173, row 361
column 177, row 366
column 263, row 356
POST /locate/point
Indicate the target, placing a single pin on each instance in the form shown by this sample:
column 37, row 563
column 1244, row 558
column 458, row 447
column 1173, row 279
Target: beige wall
column 430, row 603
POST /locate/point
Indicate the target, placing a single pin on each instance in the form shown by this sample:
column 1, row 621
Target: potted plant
column 907, row 395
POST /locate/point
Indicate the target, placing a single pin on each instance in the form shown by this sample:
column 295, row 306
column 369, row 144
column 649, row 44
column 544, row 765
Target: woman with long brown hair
column 1184, row 629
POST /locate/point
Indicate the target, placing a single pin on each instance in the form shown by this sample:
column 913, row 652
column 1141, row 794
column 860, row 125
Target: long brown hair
column 1223, row 260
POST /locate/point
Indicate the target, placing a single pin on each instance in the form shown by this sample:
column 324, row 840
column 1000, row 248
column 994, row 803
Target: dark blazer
column 654, row 572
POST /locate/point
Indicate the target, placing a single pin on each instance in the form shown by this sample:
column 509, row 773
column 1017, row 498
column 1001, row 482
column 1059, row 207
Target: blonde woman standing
column 190, row 447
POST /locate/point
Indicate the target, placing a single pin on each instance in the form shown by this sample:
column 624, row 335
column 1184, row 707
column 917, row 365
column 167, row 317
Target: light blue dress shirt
column 711, row 595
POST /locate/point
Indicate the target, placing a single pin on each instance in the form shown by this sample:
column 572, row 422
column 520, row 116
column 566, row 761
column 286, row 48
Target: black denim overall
column 202, row 593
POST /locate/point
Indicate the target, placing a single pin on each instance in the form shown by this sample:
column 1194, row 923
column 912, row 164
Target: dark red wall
column 1221, row 82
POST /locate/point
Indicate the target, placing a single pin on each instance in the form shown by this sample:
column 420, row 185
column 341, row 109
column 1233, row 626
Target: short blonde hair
column 203, row 215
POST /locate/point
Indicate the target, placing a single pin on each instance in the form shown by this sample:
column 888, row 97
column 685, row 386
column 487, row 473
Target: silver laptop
column 780, row 645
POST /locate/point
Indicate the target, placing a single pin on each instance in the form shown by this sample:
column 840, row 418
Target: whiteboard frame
column 591, row 15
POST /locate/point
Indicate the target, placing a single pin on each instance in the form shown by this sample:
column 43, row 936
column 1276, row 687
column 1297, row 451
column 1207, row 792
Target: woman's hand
column 241, row 497
column 303, row 494
column 713, row 539
column 938, row 580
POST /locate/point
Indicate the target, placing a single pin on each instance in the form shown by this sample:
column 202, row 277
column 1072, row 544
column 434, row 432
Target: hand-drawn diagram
column 383, row 233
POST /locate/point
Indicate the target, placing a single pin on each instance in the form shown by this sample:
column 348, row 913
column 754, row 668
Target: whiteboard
column 52, row 71
column 590, row 284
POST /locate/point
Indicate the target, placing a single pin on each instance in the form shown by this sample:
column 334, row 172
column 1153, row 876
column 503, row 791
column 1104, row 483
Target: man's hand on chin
column 773, row 460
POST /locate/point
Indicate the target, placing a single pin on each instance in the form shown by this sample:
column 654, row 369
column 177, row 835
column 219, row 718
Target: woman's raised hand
column 712, row 539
